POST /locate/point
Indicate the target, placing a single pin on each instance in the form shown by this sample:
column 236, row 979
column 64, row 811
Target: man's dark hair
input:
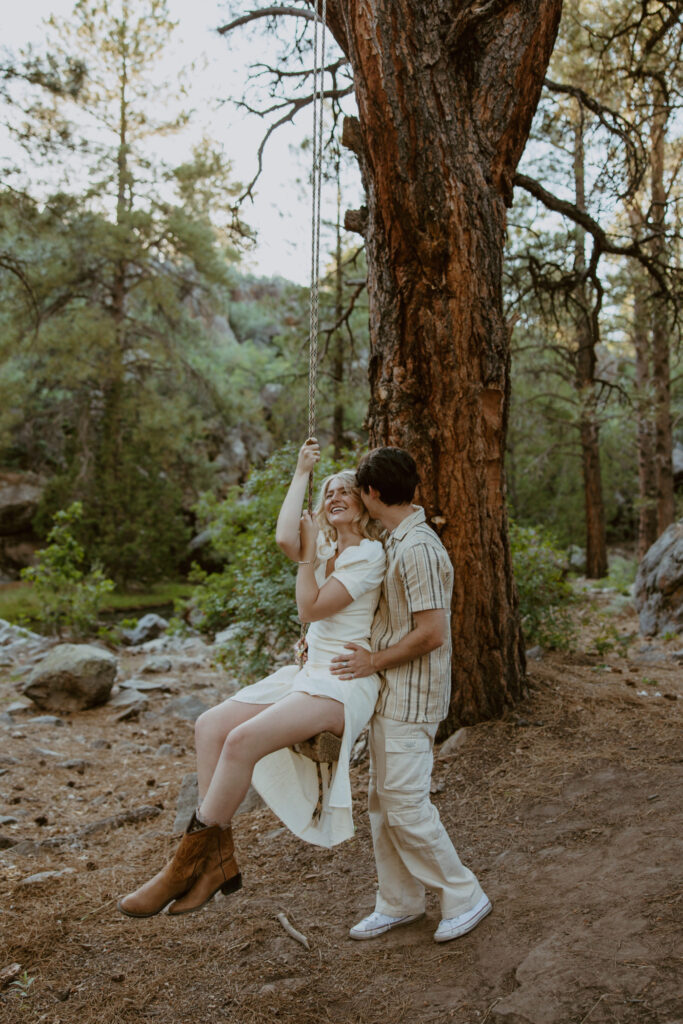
column 392, row 472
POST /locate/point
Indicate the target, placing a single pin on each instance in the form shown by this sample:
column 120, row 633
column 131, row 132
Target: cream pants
column 412, row 848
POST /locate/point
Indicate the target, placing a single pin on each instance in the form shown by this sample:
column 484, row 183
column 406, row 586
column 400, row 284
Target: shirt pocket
column 408, row 764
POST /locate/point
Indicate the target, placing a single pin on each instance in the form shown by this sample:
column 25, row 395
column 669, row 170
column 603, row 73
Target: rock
column 455, row 743
column 8, row 974
column 677, row 655
column 188, row 707
column 8, row 819
column 677, row 462
column 576, row 558
column 226, row 635
column 75, row 764
column 72, row 677
column 158, row 664
column 43, row 720
column 535, row 653
column 188, row 799
column 186, row 803
column 18, row 706
column 149, row 627
column 45, row 876
column 165, row 750
column 658, row 590
column 19, row 497
column 146, row 685
column 126, row 697
column 46, row 752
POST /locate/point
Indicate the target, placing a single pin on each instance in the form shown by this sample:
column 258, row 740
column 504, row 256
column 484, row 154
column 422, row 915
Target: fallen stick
column 97, row 909
column 291, row 930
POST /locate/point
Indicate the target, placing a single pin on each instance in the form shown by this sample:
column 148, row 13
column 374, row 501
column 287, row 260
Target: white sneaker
column 454, row 927
column 376, row 924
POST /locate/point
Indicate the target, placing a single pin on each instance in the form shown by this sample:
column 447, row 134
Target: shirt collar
column 416, row 517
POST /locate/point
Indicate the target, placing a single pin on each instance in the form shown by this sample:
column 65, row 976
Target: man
column 411, row 651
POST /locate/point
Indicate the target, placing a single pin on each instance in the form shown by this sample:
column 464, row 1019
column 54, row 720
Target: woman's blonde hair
column 368, row 527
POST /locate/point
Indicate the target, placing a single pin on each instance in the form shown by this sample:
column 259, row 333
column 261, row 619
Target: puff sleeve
column 361, row 568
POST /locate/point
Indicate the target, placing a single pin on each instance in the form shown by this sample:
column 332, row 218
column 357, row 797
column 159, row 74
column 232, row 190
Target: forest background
column 154, row 389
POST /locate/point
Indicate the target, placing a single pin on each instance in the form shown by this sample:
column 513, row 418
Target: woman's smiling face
column 341, row 505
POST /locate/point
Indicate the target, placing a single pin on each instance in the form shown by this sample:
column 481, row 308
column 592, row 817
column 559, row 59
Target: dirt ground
column 568, row 810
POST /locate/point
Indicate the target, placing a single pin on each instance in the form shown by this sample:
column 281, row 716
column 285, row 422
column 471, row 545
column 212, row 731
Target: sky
column 281, row 212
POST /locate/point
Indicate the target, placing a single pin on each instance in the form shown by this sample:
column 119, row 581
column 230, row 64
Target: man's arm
column 430, row 631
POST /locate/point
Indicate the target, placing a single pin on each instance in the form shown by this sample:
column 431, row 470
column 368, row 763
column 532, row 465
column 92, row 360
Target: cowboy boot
column 219, row 871
column 176, row 877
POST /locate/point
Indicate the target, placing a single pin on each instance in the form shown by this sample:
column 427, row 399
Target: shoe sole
column 382, row 931
column 464, row 929
column 232, row 885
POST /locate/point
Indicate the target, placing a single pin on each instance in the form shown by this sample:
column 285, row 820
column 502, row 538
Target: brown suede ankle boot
column 219, row 871
column 177, row 876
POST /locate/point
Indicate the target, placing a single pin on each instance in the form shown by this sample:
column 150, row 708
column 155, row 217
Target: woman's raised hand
column 309, row 454
column 308, row 531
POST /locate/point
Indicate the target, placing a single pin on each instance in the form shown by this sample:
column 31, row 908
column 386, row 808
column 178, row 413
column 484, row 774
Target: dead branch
column 291, row 930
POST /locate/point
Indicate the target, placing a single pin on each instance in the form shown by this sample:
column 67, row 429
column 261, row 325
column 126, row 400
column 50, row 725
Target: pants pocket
column 408, row 764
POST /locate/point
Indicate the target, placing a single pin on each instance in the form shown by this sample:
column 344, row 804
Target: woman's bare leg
column 210, row 732
column 293, row 719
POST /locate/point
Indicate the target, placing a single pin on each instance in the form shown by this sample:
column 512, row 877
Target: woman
column 340, row 570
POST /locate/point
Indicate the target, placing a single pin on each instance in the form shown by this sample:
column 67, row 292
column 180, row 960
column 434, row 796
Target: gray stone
column 146, row 685
column 8, row 819
column 158, row 664
column 46, row 876
column 46, row 752
column 43, row 720
column 188, row 799
column 188, row 707
column 165, row 750
column 148, row 628
column 186, row 803
column 576, row 558
column 535, row 653
column 18, row 706
column 677, row 655
column 124, row 698
column 658, row 590
column 75, row 764
column 455, row 743
column 72, row 677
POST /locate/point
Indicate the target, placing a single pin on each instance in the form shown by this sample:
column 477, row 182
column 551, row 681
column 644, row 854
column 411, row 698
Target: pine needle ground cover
column 568, row 809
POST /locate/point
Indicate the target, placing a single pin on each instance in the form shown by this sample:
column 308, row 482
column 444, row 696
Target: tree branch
column 601, row 240
column 266, row 12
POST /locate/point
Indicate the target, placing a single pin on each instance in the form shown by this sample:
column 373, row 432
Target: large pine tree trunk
column 446, row 93
column 587, row 338
column 661, row 369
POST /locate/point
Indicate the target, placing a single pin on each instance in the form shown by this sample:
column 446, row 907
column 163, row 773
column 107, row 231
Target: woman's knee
column 239, row 743
column 210, row 726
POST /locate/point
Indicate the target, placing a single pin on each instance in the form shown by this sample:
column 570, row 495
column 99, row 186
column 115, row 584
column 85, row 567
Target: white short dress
column 287, row 781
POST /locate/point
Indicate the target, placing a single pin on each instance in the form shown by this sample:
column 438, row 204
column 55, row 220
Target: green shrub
column 544, row 593
column 622, row 574
column 254, row 594
column 69, row 591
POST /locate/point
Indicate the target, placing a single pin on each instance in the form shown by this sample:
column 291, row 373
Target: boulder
column 658, row 590
column 72, row 677
column 149, row 627
column 188, row 799
column 19, row 497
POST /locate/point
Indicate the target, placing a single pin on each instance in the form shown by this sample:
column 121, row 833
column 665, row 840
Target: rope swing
column 323, row 748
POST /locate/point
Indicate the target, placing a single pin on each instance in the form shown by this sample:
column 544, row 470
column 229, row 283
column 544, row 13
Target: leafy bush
column 254, row 594
column 544, row 593
column 70, row 592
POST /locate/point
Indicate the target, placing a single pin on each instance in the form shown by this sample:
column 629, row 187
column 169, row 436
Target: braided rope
column 319, row 23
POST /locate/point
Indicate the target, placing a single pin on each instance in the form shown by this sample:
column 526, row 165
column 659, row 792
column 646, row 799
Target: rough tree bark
column 661, row 363
column 587, row 338
column 446, row 92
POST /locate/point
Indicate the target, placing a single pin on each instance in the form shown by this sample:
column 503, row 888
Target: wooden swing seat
column 323, row 748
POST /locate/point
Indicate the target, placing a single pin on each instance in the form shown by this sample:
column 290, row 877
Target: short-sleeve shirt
column 419, row 577
column 360, row 569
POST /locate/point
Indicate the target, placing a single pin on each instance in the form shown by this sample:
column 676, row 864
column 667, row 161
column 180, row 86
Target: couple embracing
column 378, row 651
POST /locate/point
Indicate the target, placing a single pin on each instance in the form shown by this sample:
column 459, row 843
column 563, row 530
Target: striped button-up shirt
column 419, row 577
